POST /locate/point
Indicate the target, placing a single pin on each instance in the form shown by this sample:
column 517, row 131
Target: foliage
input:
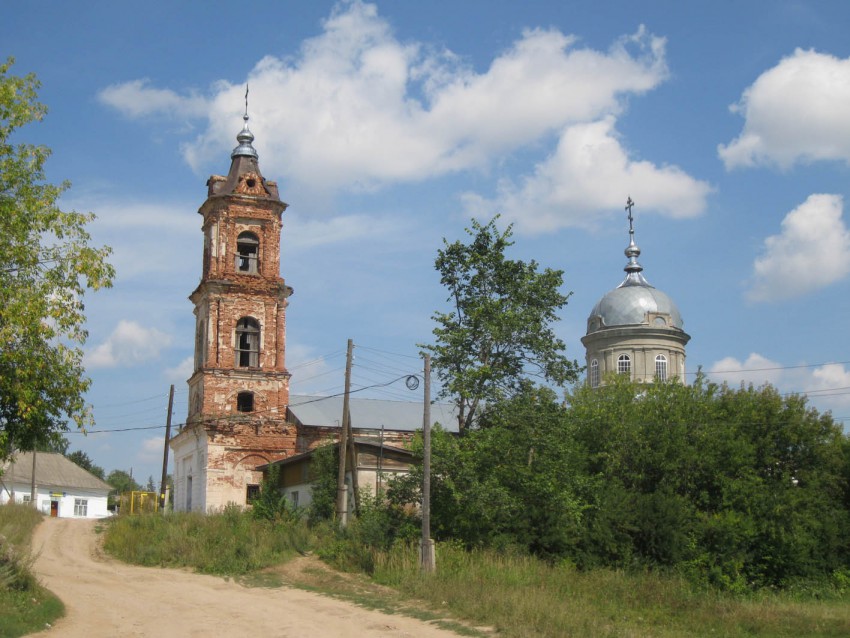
column 271, row 504
column 121, row 482
column 511, row 483
column 84, row 461
column 231, row 542
column 378, row 527
column 519, row 596
column 25, row 607
column 46, row 265
column 499, row 331
column 324, row 469
column 737, row 489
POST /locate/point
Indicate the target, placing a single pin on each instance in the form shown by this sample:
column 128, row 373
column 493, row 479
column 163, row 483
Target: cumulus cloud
column 129, row 344
column 796, row 111
column 573, row 186
column 182, row 371
column 305, row 232
column 357, row 108
column 148, row 239
column 138, row 99
column 756, row 369
column 811, row 251
column 827, row 386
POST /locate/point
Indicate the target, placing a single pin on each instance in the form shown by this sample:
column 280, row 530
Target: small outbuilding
column 63, row 489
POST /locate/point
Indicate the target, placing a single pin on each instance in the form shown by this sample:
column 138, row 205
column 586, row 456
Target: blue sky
column 389, row 125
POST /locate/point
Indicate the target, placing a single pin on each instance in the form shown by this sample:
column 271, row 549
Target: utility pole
column 352, row 463
column 427, row 552
column 165, row 450
column 32, row 486
column 341, row 491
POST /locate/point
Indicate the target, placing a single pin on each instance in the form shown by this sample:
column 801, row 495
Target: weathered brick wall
column 235, row 449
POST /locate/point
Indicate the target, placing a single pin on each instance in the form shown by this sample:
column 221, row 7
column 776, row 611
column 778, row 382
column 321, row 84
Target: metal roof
column 51, row 470
column 370, row 413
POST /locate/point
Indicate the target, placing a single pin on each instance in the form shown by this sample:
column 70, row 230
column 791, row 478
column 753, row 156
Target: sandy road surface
column 106, row 598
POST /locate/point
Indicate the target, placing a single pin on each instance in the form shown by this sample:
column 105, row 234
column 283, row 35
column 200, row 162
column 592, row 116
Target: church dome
column 633, row 304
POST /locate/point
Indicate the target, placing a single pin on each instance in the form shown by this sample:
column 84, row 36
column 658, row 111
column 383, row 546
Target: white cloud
column 148, row 239
column 304, row 232
column 137, row 99
column 827, row 386
column 357, row 108
column 129, row 344
column 590, row 174
column 796, row 111
column 181, row 371
column 151, row 450
column 812, row 251
column 756, row 369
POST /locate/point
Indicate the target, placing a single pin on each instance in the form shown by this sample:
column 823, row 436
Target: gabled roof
column 51, row 470
column 369, row 414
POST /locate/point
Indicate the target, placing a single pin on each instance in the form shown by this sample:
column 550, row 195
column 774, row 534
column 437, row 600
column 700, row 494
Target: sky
column 389, row 126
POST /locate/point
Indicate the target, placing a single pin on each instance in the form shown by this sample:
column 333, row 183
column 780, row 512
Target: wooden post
column 165, row 450
column 427, row 553
column 341, row 492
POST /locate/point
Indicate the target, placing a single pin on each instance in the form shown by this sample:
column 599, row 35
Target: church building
column 239, row 391
column 635, row 329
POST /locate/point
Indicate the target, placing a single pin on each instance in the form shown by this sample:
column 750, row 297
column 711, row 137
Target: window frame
column 81, row 507
column 245, row 402
column 661, row 367
column 247, row 346
column 594, row 373
column 248, row 253
column 624, row 364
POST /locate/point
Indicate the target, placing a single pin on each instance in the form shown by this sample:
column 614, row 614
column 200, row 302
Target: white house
column 63, row 488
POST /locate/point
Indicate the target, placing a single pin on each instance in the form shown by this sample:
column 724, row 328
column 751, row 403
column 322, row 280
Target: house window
column 247, row 343
column 661, row 367
column 624, row 364
column 247, row 253
column 81, row 507
column 594, row 373
column 294, row 497
column 252, row 493
column 27, row 499
column 245, row 402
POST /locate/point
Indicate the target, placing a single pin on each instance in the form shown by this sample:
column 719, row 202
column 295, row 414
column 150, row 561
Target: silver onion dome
column 245, row 137
column 634, row 302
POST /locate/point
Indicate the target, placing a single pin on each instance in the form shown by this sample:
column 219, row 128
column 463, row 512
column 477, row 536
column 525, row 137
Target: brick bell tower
column 239, row 390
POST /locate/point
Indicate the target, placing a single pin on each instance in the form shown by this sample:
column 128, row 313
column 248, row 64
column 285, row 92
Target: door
column 54, row 509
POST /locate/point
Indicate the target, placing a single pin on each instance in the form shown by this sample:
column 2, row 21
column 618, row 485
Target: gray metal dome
column 629, row 304
column 635, row 300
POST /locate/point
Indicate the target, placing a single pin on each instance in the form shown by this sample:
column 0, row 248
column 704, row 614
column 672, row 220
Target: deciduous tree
column 46, row 266
column 498, row 332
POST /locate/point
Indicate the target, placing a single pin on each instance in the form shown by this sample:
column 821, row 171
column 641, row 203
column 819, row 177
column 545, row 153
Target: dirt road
column 106, row 598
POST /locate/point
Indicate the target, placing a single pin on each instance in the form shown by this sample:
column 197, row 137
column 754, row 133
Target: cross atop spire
column 245, row 137
column 633, row 268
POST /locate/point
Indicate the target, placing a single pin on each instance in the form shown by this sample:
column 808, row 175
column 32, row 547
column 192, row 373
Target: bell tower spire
column 239, row 390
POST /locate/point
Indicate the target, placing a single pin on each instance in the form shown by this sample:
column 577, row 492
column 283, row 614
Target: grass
column 521, row 596
column 230, row 543
column 487, row 592
column 25, row 606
